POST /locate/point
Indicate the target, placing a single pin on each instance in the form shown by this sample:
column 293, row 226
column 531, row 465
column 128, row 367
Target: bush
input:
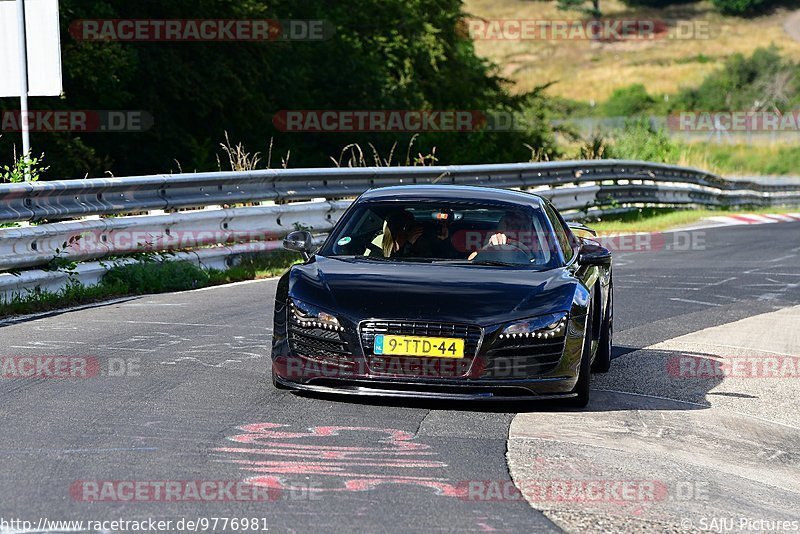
column 740, row 7
column 628, row 101
column 641, row 141
column 764, row 80
column 728, row 7
column 22, row 168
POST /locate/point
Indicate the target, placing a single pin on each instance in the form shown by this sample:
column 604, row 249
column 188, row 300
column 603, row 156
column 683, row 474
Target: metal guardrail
column 100, row 238
column 104, row 196
column 573, row 186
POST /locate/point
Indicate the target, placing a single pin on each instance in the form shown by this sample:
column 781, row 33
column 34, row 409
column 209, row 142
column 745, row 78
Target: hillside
column 586, row 70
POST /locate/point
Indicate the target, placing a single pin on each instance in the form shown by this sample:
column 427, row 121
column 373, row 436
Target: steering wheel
column 517, row 245
column 512, row 252
column 504, row 248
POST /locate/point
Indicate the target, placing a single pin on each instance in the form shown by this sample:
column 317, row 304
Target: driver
column 514, row 230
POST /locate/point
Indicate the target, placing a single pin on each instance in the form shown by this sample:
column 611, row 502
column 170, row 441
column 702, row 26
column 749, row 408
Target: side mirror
column 592, row 253
column 582, row 228
column 300, row 241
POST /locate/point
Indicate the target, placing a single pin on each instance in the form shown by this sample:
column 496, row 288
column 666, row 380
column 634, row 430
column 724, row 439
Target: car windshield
column 445, row 232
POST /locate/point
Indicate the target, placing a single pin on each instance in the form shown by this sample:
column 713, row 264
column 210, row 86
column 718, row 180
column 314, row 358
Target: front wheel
column 602, row 360
column 584, row 373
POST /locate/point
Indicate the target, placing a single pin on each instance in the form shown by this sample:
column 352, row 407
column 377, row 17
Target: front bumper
column 341, row 362
column 440, row 391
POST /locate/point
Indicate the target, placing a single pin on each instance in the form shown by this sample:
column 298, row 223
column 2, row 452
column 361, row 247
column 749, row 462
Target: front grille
column 319, row 344
column 414, row 366
column 523, row 357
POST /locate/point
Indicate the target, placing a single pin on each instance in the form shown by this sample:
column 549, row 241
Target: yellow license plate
column 430, row 347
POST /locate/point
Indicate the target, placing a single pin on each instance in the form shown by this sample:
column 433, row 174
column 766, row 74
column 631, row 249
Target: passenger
column 400, row 234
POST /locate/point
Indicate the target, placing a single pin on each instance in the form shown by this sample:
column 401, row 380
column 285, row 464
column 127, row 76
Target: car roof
column 463, row 193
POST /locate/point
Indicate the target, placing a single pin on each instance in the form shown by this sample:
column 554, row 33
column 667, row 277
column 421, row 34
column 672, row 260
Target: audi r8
column 450, row 292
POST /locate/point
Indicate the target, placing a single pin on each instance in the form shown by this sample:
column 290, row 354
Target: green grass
column 73, row 294
column 775, row 159
column 657, row 220
column 778, row 159
column 148, row 278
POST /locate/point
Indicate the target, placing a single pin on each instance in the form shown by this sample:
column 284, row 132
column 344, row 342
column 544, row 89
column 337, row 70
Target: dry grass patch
column 591, row 71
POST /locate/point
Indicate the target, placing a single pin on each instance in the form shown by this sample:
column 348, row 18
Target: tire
column 584, row 373
column 602, row 360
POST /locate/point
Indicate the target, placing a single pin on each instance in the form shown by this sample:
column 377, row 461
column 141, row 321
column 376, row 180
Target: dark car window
column 562, row 234
column 444, row 231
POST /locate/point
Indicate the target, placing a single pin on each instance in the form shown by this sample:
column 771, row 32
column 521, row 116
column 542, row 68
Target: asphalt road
column 182, row 393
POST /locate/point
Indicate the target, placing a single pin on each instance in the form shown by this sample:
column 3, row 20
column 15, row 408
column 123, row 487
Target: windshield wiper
column 494, row 263
column 437, row 261
column 382, row 258
column 345, row 257
column 415, row 260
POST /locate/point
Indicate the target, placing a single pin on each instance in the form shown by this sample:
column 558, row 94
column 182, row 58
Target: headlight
column 544, row 326
column 309, row 315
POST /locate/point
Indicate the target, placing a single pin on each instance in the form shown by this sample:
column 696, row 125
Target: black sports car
column 446, row 292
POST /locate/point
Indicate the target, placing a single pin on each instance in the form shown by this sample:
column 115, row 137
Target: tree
column 388, row 55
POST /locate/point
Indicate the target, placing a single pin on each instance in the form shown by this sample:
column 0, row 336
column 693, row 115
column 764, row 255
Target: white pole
column 23, row 83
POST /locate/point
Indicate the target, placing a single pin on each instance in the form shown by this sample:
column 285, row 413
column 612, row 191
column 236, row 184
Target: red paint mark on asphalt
column 279, row 456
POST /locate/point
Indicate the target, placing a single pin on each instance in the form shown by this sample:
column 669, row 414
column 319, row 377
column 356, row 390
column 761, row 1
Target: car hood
column 484, row 295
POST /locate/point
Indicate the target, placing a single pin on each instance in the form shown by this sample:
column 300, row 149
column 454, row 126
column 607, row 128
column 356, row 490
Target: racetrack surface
column 198, row 373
